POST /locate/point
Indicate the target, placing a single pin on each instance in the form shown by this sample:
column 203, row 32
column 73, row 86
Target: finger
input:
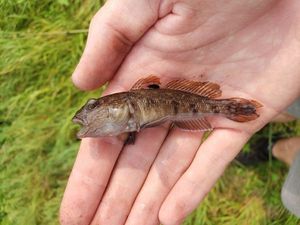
column 174, row 157
column 210, row 161
column 129, row 175
column 113, row 31
column 88, row 179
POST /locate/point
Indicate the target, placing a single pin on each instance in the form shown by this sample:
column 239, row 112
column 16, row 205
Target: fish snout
column 79, row 119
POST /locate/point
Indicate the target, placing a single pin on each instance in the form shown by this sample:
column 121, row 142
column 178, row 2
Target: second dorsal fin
column 150, row 82
column 206, row 89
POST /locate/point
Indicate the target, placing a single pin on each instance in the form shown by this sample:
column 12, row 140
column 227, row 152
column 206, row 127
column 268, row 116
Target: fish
column 184, row 103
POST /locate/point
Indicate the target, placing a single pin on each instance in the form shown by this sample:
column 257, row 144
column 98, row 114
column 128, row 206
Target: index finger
column 116, row 27
column 88, row 179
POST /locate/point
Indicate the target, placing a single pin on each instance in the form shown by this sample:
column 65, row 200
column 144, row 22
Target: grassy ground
column 40, row 44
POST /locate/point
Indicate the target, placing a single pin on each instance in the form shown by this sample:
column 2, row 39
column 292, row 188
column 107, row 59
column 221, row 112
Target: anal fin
column 194, row 124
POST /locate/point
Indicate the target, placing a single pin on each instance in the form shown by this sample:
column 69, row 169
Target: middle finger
column 129, row 175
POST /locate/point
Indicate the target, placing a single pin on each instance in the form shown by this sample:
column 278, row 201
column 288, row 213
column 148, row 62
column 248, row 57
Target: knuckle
column 145, row 208
column 105, row 214
column 144, row 213
column 172, row 216
column 170, row 169
column 95, row 20
column 139, row 162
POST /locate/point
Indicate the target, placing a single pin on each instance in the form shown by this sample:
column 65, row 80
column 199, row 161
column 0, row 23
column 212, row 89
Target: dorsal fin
column 195, row 125
column 206, row 89
column 150, row 82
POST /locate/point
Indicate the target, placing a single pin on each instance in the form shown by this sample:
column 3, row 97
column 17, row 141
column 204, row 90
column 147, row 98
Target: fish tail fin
column 241, row 110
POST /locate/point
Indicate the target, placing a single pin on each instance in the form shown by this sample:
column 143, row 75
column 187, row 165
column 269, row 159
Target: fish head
column 101, row 117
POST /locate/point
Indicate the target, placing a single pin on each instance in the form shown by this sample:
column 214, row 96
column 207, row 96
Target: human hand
column 250, row 48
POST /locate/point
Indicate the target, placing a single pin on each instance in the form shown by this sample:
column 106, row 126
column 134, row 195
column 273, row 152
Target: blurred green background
column 40, row 44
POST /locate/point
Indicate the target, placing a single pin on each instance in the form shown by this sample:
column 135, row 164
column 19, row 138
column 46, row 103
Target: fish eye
column 92, row 101
column 91, row 104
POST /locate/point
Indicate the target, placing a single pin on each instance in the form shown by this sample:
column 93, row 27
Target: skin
column 286, row 149
column 250, row 48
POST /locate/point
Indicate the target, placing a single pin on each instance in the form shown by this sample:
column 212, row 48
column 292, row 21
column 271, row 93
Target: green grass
column 40, row 44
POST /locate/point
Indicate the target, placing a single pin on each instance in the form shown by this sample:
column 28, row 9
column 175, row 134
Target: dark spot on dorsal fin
column 151, row 81
column 153, row 86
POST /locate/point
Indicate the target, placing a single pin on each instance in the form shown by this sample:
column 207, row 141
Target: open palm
column 250, row 48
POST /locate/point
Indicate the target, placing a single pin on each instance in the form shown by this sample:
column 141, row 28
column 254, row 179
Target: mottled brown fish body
column 159, row 105
column 185, row 103
column 162, row 104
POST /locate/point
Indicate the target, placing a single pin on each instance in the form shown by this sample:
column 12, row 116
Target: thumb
column 116, row 27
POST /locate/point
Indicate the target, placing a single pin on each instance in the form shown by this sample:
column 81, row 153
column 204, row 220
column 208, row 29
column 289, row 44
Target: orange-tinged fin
column 194, row 125
column 151, row 81
column 256, row 103
column 206, row 89
column 242, row 110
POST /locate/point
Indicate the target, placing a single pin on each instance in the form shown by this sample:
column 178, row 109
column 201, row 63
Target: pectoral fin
column 154, row 123
column 130, row 139
column 194, row 125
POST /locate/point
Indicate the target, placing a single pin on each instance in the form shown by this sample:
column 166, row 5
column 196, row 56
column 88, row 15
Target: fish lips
column 82, row 132
column 81, row 121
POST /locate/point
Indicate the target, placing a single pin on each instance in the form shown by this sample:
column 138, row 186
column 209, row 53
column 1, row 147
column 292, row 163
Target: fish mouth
column 82, row 132
column 84, row 129
column 79, row 120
